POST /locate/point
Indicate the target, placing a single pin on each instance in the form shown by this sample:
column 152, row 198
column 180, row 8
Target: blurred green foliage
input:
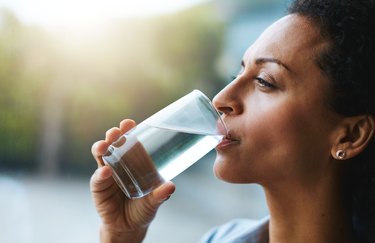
column 20, row 95
column 62, row 90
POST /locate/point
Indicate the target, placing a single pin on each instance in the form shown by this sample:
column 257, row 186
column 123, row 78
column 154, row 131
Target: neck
column 309, row 212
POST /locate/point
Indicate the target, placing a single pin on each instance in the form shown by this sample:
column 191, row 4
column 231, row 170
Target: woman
column 301, row 122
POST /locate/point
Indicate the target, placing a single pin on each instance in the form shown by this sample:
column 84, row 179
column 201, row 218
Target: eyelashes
column 264, row 83
column 259, row 81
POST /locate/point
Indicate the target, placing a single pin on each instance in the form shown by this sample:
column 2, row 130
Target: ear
column 352, row 137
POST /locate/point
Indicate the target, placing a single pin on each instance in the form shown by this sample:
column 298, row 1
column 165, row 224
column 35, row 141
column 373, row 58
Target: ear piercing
column 340, row 154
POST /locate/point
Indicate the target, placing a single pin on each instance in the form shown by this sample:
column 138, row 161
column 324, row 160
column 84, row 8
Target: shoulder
column 239, row 231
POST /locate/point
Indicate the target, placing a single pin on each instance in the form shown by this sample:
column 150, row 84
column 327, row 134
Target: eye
column 264, row 83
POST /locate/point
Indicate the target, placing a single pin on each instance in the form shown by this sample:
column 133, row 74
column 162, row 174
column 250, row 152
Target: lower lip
column 226, row 143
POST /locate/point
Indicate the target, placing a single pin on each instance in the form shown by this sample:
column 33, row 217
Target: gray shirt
column 239, row 231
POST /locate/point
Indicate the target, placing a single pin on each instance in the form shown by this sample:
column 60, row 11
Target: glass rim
column 220, row 118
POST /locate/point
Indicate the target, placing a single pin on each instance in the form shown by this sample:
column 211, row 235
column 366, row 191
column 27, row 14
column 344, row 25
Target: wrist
column 109, row 236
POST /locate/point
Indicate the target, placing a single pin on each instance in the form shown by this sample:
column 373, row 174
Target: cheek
column 261, row 129
column 262, row 139
column 279, row 140
column 276, row 139
column 269, row 135
column 280, row 130
column 269, row 123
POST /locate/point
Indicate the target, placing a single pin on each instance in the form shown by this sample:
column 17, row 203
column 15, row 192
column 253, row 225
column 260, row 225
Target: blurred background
column 69, row 70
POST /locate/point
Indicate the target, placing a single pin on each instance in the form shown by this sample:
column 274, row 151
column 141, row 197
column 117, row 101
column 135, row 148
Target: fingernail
column 106, row 174
column 165, row 199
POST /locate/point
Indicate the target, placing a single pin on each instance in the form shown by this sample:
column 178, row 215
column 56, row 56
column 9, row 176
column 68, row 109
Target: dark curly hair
column 349, row 63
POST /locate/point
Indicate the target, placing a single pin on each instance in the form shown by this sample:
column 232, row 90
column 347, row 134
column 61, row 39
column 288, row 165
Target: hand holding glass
column 165, row 144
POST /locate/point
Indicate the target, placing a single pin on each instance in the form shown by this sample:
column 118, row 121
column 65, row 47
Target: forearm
column 107, row 236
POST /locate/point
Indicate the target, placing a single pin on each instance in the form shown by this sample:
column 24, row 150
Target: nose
column 228, row 100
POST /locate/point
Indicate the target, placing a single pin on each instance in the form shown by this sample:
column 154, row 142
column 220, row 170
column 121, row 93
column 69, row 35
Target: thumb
column 162, row 193
column 152, row 201
column 148, row 205
column 101, row 179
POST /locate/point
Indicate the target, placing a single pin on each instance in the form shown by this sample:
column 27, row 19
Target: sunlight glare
column 70, row 13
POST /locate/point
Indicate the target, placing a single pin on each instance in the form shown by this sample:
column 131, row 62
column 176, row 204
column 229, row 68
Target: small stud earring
column 340, row 154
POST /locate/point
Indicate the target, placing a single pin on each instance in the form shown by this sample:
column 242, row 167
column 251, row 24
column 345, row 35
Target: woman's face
column 276, row 109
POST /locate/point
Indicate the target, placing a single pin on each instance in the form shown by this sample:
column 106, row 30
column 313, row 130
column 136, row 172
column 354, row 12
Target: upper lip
column 230, row 137
column 223, row 127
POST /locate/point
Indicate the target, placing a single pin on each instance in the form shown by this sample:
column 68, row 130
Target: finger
column 162, row 193
column 98, row 149
column 112, row 135
column 150, row 203
column 126, row 125
column 101, row 179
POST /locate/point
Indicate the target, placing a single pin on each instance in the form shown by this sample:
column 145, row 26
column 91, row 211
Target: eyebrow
column 263, row 60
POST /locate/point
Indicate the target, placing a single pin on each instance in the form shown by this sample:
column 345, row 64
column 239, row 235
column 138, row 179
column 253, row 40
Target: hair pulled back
column 349, row 63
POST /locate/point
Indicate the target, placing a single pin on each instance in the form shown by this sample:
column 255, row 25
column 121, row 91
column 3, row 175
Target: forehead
column 293, row 39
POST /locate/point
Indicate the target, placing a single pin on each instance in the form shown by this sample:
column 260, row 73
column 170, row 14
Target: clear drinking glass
column 165, row 144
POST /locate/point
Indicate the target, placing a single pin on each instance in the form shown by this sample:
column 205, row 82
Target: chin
column 227, row 172
column 219, row 169
column 224, row 173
